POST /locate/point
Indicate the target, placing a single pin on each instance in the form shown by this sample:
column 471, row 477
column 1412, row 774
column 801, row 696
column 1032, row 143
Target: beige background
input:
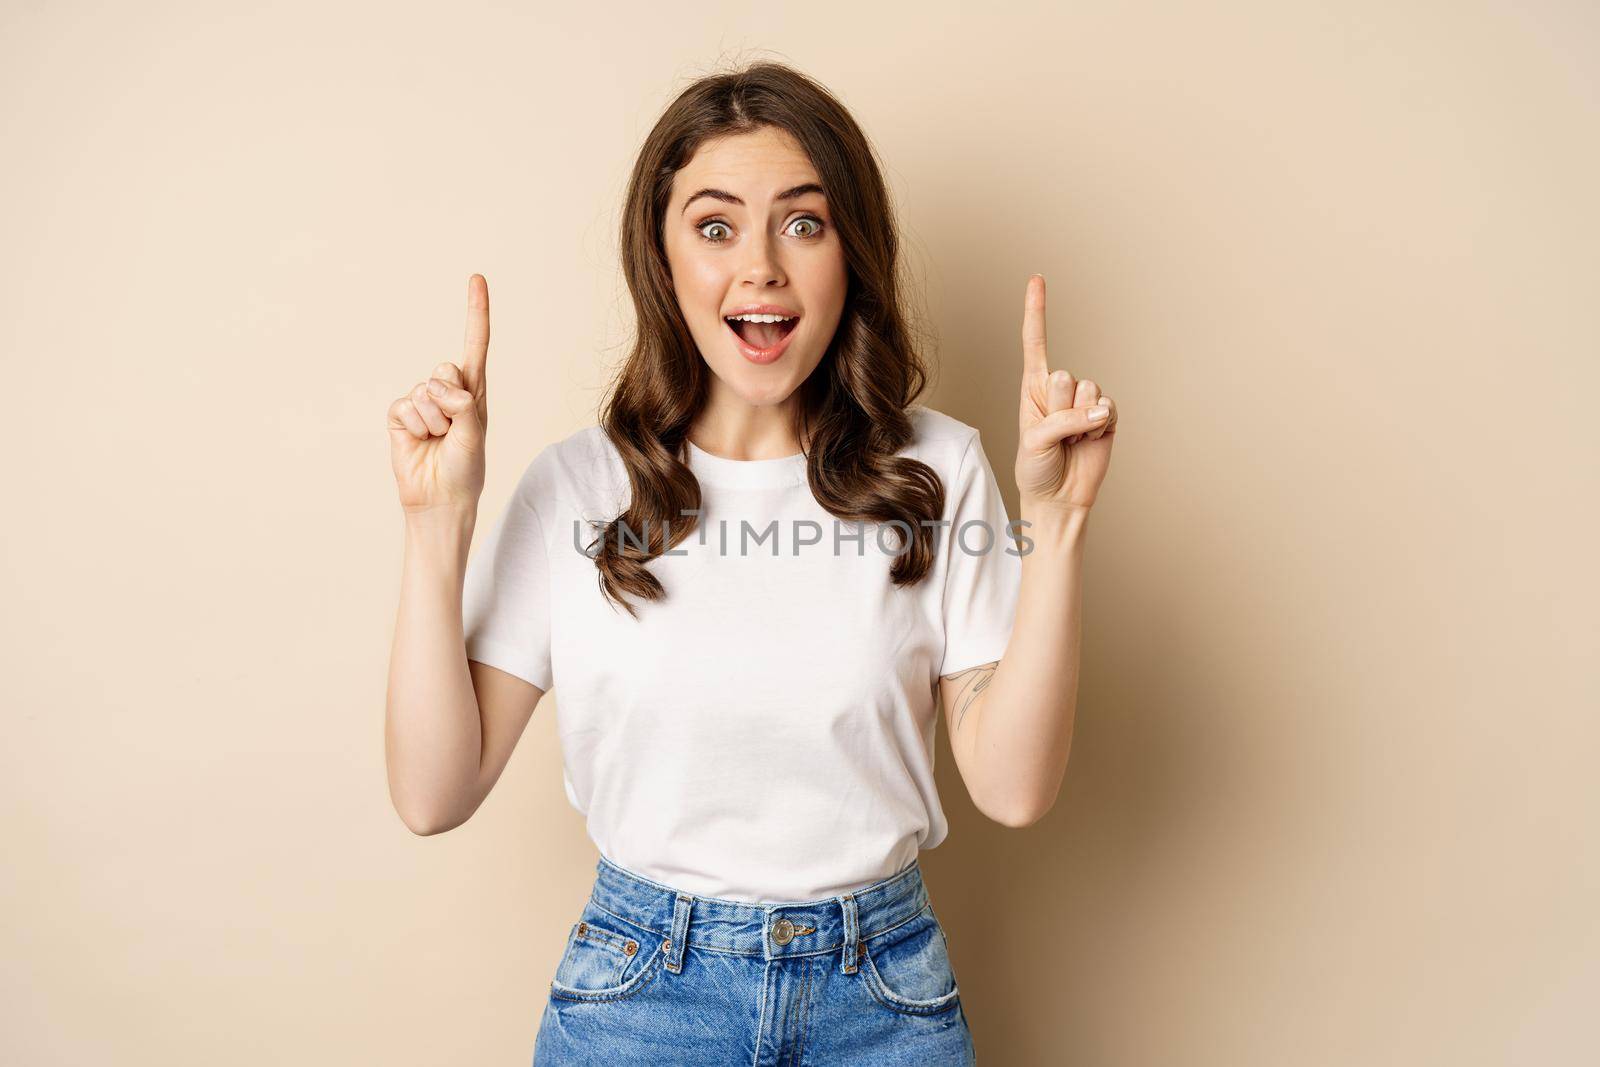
column 1331, row 799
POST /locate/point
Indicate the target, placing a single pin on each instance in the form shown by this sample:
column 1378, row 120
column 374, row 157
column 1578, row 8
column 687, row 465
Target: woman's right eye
column 707, row 225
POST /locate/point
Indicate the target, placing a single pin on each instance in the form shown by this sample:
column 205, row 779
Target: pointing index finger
column 475, row 347
column 1034, row 360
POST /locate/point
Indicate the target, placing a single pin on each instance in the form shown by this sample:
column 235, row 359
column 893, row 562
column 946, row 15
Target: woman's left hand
column 1062, row 453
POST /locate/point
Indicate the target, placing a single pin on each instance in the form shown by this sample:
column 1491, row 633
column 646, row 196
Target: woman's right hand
column 437, row 430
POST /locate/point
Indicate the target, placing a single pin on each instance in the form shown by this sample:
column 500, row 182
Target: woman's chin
column 755, row 385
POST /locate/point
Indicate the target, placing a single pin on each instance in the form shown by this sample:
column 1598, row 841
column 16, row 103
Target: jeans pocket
column 908, row 968
column 606, row 959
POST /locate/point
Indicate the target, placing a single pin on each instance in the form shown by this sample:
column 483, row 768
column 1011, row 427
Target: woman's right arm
column 449, row 724
column 452, row 722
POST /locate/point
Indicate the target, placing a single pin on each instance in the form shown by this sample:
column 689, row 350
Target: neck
column 734, row 429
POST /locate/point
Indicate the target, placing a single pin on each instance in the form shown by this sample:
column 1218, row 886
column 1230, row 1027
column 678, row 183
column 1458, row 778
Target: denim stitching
column 904, row 1005
column 603, row 936
column 729, row 950
column 805, row 1022
column 623, row 992
column 761, row 1016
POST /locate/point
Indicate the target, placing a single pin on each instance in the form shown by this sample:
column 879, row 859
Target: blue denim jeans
column 653, row 975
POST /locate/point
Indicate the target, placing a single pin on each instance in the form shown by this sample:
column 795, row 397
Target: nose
column 761, row 266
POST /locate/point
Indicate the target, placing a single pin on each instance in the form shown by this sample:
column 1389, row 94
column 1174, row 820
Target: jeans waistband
column 773, row 931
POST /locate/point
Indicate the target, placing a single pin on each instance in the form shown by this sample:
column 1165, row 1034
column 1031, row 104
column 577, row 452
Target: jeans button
column 783, row 931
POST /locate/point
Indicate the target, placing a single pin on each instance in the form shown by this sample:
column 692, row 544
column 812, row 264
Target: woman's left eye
column 816, row 225
column 814, row 231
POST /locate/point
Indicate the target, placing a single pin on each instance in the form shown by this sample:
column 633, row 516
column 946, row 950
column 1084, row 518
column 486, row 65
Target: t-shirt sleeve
column 983, row 573
column 505, row 603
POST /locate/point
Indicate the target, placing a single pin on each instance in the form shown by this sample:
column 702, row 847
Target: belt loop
column 852, row 931
column 680, row 933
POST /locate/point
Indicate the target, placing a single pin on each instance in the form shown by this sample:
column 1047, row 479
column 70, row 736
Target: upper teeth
column 763, row 318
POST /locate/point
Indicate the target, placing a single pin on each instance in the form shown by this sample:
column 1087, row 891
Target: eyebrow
column 728, row 198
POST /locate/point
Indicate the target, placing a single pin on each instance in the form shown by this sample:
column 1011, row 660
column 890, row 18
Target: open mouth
column 762, row 335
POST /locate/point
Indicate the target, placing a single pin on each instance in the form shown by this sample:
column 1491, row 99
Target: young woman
column 752, row 582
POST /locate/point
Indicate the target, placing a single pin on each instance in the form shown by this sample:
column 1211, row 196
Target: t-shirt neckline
column 746, row 473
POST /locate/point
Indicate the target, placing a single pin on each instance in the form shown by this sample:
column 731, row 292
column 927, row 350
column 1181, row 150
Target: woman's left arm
column 1011, row 721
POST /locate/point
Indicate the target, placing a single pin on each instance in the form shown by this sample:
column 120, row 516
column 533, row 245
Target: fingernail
column 1096, row 414
column 436, row 388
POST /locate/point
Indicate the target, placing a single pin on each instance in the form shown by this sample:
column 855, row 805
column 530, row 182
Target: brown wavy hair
column 852, row 415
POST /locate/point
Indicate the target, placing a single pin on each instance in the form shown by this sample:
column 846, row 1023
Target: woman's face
column 759, row 237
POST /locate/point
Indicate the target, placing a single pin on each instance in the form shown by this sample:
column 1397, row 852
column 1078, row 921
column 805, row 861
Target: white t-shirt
column 765, row 733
